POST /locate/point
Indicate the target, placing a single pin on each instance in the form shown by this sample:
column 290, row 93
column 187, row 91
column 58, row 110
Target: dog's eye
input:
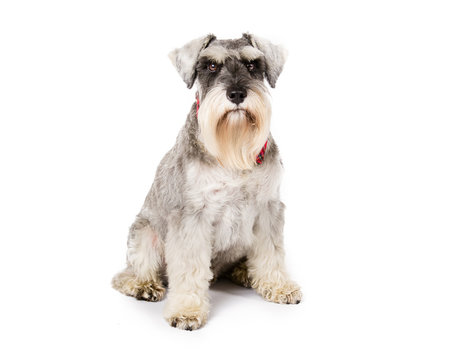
column 251, row 66
column 212, row 67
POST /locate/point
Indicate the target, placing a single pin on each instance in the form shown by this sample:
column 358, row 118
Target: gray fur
column 166, row 195
column 201, row 220
column 275, row 56
column 185, row 58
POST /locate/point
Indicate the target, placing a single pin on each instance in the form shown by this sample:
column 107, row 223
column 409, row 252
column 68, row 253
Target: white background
column 89, row 103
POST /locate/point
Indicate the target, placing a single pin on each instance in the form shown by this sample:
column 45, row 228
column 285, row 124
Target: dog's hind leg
column 239, row 274
column 142, row 279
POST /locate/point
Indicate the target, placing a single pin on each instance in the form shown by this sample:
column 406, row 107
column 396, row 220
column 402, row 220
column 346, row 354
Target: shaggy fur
column 212, row 210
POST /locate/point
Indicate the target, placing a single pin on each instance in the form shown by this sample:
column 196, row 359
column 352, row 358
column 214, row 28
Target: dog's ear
column 185, row 58
column 275, row 56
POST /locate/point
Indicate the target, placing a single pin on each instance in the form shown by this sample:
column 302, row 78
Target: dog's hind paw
column 127, row 283
column 288, row 293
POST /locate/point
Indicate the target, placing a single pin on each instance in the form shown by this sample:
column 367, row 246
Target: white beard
column 234, row 134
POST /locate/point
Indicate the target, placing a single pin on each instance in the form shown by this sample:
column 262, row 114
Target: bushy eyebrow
column 250, row 53
column 216, row 53
column 220, row 54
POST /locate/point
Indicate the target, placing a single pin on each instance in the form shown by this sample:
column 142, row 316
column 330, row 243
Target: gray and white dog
column 214, row 207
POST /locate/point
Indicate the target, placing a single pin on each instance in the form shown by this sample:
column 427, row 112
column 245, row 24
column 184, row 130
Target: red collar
column 260, row 157
column 197, row 99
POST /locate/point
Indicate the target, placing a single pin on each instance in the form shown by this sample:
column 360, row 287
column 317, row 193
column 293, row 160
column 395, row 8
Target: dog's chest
column 229, row 202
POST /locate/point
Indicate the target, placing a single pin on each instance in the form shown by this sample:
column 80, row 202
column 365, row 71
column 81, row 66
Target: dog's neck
column 260, row 157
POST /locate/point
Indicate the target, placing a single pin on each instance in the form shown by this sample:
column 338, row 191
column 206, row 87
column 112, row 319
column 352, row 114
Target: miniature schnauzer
column 214, row 207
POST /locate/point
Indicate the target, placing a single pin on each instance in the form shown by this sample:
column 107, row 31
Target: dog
column 214, row 207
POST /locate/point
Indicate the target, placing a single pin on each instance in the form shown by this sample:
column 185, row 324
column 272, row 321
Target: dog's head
column 234, row 113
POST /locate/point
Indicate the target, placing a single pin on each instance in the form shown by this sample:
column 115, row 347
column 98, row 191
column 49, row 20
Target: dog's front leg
column 188, row 258
column 265, row 260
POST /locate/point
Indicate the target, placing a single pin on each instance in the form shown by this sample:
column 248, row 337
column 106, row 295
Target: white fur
column 190, row 248
column 216, row 53
column 250, row 53
column 219, row 54
column 214, row 106
column 145, row 254
column 211, row 208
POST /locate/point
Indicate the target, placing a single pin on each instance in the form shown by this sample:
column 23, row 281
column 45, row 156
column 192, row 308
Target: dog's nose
column 236, row 95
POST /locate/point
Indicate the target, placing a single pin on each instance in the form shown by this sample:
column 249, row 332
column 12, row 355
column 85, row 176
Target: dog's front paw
column 288, row 293
column 186, row 312
column 188, row 321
